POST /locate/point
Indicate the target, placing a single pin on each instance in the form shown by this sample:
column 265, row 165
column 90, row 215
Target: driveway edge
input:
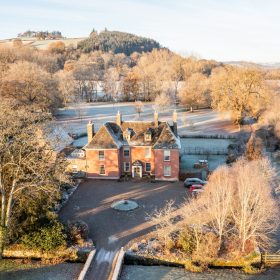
column 86, row 265
column 118, row 265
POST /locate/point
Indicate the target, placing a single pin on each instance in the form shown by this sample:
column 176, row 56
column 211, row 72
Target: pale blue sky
column 219, row 29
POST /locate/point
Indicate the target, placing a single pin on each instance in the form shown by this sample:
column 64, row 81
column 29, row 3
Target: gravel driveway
column 109, row 228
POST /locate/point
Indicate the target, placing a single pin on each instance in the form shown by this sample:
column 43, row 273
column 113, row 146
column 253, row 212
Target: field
column 207, row 122
column 42, row 44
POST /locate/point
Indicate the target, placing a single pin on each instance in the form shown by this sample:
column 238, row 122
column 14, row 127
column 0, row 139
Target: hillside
column 117, row 42
column 42, row 44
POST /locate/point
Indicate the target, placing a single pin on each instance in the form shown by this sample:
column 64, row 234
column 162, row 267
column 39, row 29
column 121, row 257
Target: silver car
column 194, row 181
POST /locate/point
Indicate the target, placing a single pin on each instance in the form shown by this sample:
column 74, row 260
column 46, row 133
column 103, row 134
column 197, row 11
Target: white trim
column 164, row 174
column 118, row 265
column 104, row 170
column 125, row 166
column 99, row 155
column 87, row 264
column 166, row 150
column 133, row 172
column 129, row 151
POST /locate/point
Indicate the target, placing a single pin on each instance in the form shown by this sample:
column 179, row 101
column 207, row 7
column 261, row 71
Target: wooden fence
column 270, row 259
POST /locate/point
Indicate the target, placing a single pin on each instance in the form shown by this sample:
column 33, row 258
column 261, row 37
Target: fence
column 204, row 151
column 270, row 259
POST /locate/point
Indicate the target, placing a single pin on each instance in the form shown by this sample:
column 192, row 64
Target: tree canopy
column 117, row 42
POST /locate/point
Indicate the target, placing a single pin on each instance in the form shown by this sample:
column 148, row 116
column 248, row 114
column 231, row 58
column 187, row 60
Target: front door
column 137, row 172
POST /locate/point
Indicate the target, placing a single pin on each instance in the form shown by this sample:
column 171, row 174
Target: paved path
column 111, row 229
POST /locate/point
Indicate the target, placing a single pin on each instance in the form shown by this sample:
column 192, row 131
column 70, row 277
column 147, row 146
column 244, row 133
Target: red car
column 195, row 189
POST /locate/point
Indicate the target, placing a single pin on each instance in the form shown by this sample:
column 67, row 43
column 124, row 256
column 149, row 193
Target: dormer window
column 148, row 136
column 127, row 134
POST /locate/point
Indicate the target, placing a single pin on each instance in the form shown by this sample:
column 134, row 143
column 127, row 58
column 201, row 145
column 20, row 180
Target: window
column 126, row 166
column 75, row 168
column 126, row 152
column 166, row 155
column 148, row 137
column 167, row 170
column 101, row 155
column 147, row 152
column 148, row 167
column 102, row 169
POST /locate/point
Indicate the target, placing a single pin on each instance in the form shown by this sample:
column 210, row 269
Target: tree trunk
column 3, row 237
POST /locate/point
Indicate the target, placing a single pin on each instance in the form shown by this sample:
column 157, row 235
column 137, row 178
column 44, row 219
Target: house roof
column 111, row 135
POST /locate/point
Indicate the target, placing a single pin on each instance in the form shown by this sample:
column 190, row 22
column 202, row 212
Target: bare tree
column 243, row 92
column 28, row 167
column 163, row 101
column 218, row 199
column 29, row 84
column 66, row 86
column 254, row 211
column 195, row 91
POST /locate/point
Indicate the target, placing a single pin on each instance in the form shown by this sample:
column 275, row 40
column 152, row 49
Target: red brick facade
column 136, row 149
column 111, row 164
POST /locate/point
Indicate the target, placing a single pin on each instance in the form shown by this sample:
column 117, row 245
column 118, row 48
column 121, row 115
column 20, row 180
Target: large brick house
column 132, row 148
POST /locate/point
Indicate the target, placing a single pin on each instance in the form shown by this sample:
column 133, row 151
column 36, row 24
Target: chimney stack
column 175, row 129
column 156, row 118
column 119, row 119
column 90, row 131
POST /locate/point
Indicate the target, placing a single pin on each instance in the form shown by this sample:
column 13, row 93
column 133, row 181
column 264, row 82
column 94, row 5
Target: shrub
column 78, row 231
column 47, row 238
column 186, row 240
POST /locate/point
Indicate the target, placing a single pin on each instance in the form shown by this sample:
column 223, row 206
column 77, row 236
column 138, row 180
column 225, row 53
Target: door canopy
column 137, row 163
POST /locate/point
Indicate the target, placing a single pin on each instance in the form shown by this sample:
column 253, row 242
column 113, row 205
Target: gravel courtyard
column 109, row 228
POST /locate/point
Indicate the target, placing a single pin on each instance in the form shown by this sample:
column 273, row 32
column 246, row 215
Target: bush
column 186, row 240
column 47, row 238
column 78, row 231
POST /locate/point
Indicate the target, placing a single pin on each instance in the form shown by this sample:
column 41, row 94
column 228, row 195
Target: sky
column 224, row 30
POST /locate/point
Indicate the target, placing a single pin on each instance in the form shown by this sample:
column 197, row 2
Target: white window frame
column 149, row 152
column 164, row 171
column 146, row 167
column 74, row 168
column 125, row 150
column 124, row 167
column 101, row 158
column 100, row 169
column 166, row 157
column 148, row 137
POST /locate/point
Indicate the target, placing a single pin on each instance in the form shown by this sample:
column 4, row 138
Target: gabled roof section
column 167, row 139
column 107, row 137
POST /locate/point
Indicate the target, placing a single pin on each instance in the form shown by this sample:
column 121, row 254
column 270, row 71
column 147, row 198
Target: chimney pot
column 90, row 131
column 156, row 118
column 119, row 119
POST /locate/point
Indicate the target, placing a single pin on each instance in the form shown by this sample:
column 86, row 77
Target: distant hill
column 117, row 42
column 275, row 65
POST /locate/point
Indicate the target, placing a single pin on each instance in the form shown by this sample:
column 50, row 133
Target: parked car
column 194, row 181
column 196, row 189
